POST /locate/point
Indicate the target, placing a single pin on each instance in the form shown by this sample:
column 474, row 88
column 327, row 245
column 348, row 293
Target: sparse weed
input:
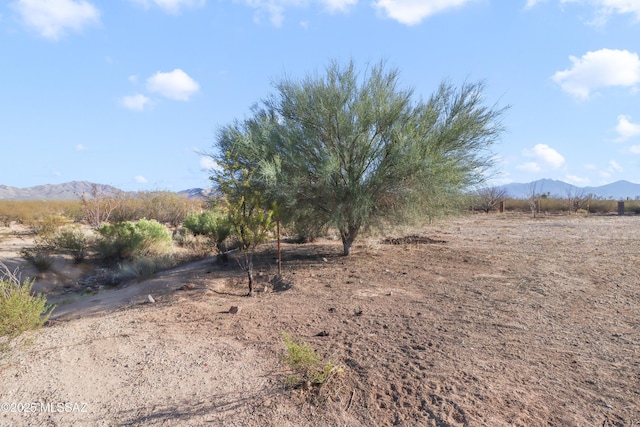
column 308, row 368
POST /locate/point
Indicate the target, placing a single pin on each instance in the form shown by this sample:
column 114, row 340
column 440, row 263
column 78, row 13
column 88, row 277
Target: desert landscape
column 478, row 320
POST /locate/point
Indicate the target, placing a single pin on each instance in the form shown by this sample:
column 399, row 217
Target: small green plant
column 20, row 309
column 308, row 368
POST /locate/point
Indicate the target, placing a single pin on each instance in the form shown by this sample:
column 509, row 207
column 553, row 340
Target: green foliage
column 20, row 309
column 210, row 224
column 353, row 151
column 249, row 211
column 131, row 240
column 305, row 363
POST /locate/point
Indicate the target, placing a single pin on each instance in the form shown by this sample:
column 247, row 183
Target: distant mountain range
column 619, row 190
column 73, row 190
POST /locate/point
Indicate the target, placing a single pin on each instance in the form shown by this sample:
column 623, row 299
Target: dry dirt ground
column 487, row 320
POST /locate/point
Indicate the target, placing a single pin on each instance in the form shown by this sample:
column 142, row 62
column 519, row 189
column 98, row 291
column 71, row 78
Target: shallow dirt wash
column 488, row 320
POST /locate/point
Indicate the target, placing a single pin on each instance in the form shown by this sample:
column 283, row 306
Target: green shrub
column 73, row 241
column 20, row 309
column 132, row 240
column 210, row 224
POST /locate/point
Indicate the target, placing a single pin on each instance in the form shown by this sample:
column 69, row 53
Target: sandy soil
column 491, row 321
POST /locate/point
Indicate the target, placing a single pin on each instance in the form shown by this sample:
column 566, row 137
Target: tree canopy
column 351, row 150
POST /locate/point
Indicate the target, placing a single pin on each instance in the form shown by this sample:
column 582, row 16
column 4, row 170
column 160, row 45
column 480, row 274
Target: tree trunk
column 348, row 237
column 250, row 276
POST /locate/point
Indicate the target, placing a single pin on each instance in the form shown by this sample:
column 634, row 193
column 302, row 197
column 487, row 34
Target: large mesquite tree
column 353, row 150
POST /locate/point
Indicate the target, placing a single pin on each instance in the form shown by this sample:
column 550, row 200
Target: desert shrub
column 632, row 206
column 129, row 240
column 20, row 309
column 142, row 268
column 598, row 206
column 30, row 212
column 210, row 224
column 47, row 226
column 164, row 206
column 73, row 241
column 306, row 364
column 39, row 256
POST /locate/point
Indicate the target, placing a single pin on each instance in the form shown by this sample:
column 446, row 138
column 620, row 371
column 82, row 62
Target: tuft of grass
column 307, row 366
column 20, row 309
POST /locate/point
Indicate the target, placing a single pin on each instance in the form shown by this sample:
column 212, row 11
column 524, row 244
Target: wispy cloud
column 626, row 129
column 634, row 149
column 576, row 180
column 602, row 68
column 140, row 179
column 175, row 85
column 80, row 147
column 53, row 18
column 603, row 8
column 615, row 166
column 136, row 102
column 172, row 7
column 412, row 12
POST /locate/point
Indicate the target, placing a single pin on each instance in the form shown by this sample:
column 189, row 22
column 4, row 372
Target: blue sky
column 129, row 92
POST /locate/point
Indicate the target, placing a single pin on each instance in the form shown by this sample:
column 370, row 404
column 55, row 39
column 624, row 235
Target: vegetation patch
column 20, row 309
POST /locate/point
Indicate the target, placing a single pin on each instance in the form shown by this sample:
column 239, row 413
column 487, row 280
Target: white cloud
column 135, row 102
column 175, row 85
column 602, row 68
column 207, row 163
column 171, row 6
column 80, row 147
column 626, row 129
column 634, row 149
column 529, row 167
column 614, row 166
column 546, row 154
column 412, row 12
column 133, row 78
column 140, row 179
column 52, row 18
